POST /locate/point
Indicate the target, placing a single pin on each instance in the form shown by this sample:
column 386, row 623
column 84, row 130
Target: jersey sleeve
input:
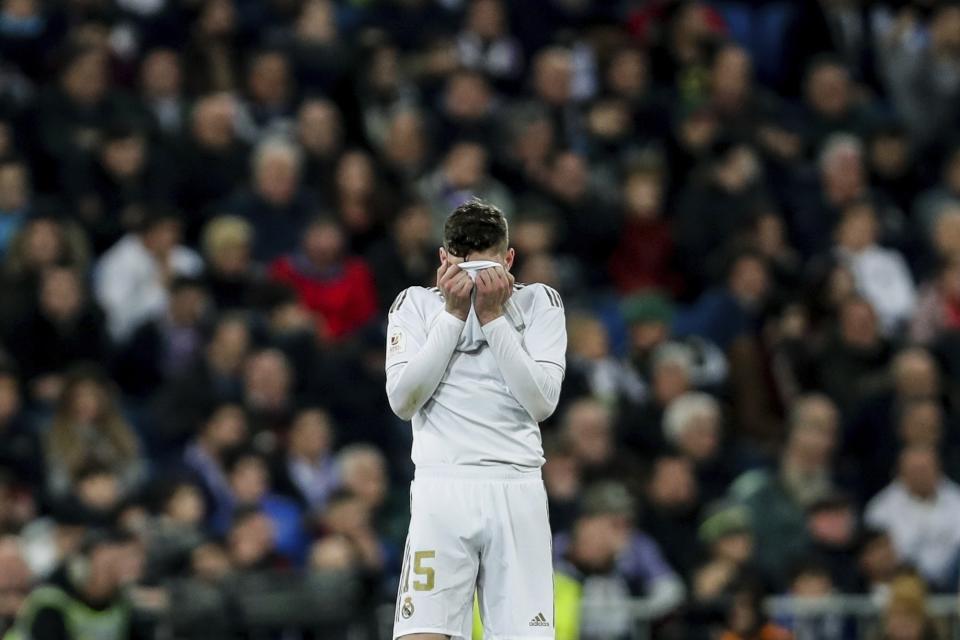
column 406, row 332
column 546, row 336
column 417, row 354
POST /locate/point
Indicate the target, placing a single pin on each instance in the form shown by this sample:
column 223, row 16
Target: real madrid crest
column 407, row 609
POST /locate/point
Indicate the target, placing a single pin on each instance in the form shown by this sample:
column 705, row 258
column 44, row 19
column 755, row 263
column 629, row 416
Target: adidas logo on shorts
column 539, row 621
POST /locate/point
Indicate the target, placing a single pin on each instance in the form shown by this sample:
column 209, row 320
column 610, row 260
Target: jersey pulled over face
column 473, row 418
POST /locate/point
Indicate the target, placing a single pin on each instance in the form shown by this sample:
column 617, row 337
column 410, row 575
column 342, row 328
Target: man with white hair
column 691, row 423
column 276, row 203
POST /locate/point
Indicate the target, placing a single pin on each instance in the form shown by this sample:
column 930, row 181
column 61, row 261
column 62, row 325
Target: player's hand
column 494, row 288
column 456, row 287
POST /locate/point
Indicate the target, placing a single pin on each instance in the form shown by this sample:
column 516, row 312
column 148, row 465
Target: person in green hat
column 725, row 532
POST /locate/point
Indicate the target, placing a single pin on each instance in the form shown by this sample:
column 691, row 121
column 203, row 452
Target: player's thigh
column 441, row 561
column 515, row 585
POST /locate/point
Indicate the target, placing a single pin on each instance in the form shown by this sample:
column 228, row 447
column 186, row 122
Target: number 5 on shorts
column 420, row 570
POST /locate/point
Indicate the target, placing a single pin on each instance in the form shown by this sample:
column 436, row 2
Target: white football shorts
column 482, row 530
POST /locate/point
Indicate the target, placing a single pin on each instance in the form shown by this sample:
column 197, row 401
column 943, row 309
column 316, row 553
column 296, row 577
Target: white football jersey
column 472, row 417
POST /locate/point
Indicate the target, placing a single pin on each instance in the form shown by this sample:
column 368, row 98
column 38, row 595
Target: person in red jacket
column 644, row 257
column 338, row 289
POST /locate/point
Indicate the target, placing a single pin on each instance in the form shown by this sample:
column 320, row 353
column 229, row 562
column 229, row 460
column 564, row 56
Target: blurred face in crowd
column 946, row 233
column 833, row 527
column 14, row 187
column 99, row 491
column 251, row 540
column 813, row 434
column 553, row 77
column 162, row 237
column 609, row 121
column 948, row 282
column 15, row 577
column 319, row 127
column 561, row 476
column 843, row 173
column 534, row 142
column 858, row 324
column 570, row 178
column 317, row 22
column 878, row 559
column 890, row 155
column 217, row 18
column 589, row 432
column 125, row 157
column 310, row 435
column 355, row 175
column 87, row 402
column 413, row 226
column 673, row 486
column 736, row 547
column 384, row 72
column 213, row 118
column 730, row 77
column 770, row 236
column 9, row 398
column 829, row 91
column 904, row 623
column 249, row 480
column 468, row 96
column 915, row 375
column 226, row 428
column 267, row 380
column 277, row 175
column 594, row 546
column 643, row 195
column 921, row 423
column 188, row 304
column 920, row 471
column 61, row 295
column 858, row 229
column 85, row 78
column 628, row 74
column 531, row 236
column 466, row 165
column 485, row 18
column 700, row 437
column 347, row 516
column 540, row 268
column 210, row 562
column 323, row 243
column 186, row 506
column 332, row 553
column 812, row 584
column 160, row 75
column 671, row 379
column 945, row 31
column 229, row 346
column 269, row 79
column 365, row 475
column 738, row 169
column 749, row 280
column 588, row 338
column 406, row 144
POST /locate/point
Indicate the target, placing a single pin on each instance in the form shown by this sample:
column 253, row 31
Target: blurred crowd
column 752, row 210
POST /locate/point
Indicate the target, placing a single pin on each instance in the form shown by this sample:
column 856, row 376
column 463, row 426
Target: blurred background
column 751, row 209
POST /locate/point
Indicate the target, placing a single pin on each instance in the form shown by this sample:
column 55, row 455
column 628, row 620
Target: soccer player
column 476, row 363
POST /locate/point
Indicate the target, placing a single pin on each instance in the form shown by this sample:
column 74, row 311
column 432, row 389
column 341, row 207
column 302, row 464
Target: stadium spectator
column 276, row 204
column 918, row 506
column 227, row 243
column 336, row 287
column 224, row 430
column 307, row 471
column 88, row 428
column 725, row 532
column 14, row 200
column 133, row 277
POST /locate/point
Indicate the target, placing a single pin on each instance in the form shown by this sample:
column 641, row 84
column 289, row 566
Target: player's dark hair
column 475, row 226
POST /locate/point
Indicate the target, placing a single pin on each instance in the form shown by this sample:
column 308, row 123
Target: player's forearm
column 535, row 385
column 410, row 385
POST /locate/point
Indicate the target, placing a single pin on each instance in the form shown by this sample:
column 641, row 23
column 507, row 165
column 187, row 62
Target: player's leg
column 515, row 585
column 437, row 582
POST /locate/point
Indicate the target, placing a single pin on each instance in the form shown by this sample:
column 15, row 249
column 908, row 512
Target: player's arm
column 417, row 354
column 533, row 366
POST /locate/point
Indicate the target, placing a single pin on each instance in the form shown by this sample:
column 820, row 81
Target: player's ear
column 511, row 254
column 443, row 256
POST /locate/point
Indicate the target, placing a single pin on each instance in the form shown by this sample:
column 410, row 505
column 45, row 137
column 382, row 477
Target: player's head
column 476, row 230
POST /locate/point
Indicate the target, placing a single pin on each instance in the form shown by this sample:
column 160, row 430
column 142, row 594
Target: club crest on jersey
column 397, row 343
column 407, row 609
